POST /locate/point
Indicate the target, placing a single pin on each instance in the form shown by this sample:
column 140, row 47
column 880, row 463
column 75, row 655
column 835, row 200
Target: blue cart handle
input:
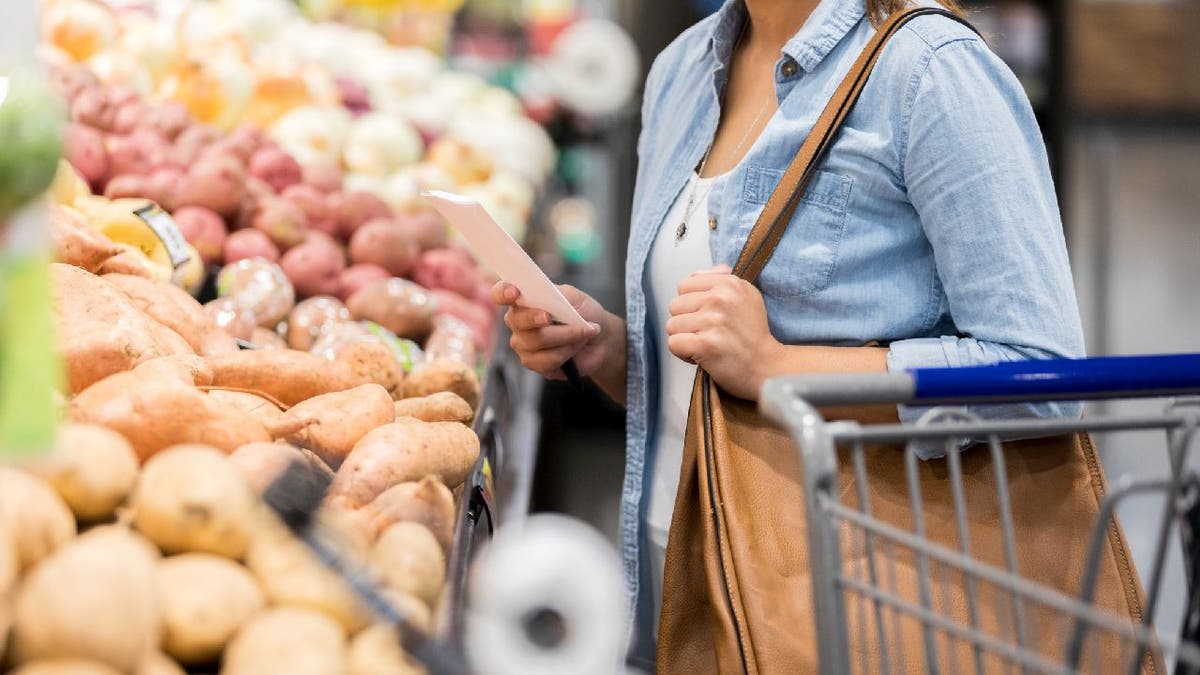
column 1037, row 380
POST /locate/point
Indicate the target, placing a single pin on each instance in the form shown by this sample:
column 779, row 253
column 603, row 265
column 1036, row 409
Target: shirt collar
column 825, row 27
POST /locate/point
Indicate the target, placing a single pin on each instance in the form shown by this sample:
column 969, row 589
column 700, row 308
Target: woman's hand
column 598, row 349
column 719, row 322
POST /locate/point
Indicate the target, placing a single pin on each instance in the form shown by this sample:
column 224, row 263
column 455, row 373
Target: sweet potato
column 93, row 599
column 203, row 229
column 287, row 640
column 100, row 331
column 426, row 501
column 77, row 243
column 355, row 277
column 312, row 317
column 85, row 151
column 262, row 463
column 409, row 559
column 190, row 498
column 129, row 261
column 167, row 304
column 338, row 420
column 288, row 375
column 249, row 243
column 382, row 242
column 276, row 168
column 254, row 405
column 444, row 375
column 92, row 468
column 65, row 666
column 204, row 600
column 157, row 412
column 443, row 406
column 157, row 663
column 404, row 451
column 398, row 305
column 36, row 519
column 314, row 267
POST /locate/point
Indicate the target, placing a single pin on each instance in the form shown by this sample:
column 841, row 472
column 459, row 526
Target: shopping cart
column 855, row 544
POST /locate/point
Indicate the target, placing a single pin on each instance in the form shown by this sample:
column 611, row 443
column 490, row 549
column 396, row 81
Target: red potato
column 126, row 185
column 481, row 319
column 398, row 305
column 355, row 277
column 245, row 244
column 244, row 141
column 281, row 220
column 314, row 268
column 216, row 182
column 275, row 167
column 169, row 119
column 204, row 230
column 324, row 176
column 310, row 318
column 426, row 227
column 138, row 152
column 163, row 185
column 448, row 268
column 381, row 242
column 404, row 451
column 69, row 79
column 426, row 501
column 451, row 339
column 191, row 142
column 315, row 206
column 331, row 424
column 77, row 243
column 94, row 108
column 354, row 208
column 128, row 117
column 86, row 152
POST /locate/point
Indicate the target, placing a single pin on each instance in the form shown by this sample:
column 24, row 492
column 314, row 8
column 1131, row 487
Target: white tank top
column 672, row 259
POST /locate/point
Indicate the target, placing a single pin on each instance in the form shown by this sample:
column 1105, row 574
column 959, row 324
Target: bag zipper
column 706, row 409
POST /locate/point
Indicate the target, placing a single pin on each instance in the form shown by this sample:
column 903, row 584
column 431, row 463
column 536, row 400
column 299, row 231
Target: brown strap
column 770, row 226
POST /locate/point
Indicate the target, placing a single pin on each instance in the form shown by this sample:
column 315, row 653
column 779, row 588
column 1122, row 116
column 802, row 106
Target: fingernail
column 543, row 319
column 593, row 329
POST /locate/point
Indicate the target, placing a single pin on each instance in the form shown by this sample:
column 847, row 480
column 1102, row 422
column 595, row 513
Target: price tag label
column 168, row 232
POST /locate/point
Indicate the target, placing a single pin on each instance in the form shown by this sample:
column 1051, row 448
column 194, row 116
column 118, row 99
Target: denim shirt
column 931, row 226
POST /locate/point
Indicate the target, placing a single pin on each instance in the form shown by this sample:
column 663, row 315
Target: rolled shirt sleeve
column 976, row 171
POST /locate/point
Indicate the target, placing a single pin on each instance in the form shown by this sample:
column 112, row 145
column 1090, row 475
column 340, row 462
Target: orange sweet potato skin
column 443, row 406
column 155, row 406
column 404, row 451
column 331, row 424
column 169, row 305
column 75, row 243
column 288, row 375
column 444, row 375
column 100, row 332
column 262, row 463
column 427, row 502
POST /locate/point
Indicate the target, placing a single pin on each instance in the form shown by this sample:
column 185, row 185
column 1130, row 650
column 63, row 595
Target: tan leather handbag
column 737, row 594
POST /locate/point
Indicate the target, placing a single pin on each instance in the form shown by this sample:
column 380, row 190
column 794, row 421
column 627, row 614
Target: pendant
column 712, row 223
column 681, row 231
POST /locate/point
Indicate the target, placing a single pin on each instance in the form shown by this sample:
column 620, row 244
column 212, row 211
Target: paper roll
column 546, row 598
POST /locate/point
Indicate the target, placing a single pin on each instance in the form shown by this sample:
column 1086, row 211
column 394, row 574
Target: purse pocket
column 804, row 261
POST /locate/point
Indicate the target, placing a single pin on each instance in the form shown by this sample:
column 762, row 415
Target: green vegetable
column 30, row 371
column 31, row 131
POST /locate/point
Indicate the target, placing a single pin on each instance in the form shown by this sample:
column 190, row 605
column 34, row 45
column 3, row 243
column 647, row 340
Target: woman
column 930, row 237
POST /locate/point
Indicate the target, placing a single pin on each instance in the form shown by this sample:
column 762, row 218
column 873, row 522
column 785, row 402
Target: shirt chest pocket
column 804, row 261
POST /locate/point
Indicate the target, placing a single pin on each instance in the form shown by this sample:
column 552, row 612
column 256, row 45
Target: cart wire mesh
column 922, row 569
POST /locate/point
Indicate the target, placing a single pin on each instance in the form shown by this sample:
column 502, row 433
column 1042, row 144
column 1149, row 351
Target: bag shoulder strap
column 770, row 226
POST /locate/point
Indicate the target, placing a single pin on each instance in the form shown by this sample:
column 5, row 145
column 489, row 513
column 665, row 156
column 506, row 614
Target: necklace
column 682, row 230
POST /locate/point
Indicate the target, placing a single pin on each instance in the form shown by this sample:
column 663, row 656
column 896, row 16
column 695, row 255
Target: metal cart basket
column 854, row 548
